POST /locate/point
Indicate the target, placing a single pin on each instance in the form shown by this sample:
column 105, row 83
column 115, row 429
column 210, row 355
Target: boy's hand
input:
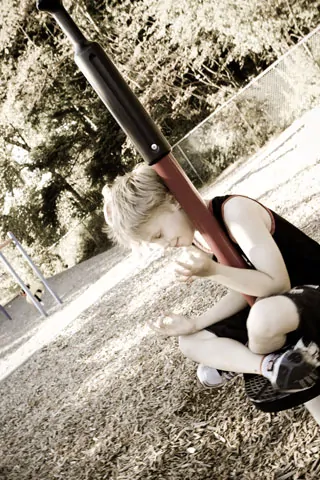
column 194, row 263
column 173, row 325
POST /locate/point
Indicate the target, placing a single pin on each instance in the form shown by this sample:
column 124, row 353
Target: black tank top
column 300, row 253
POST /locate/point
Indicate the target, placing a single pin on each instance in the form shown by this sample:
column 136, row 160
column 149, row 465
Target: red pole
column 189, row 198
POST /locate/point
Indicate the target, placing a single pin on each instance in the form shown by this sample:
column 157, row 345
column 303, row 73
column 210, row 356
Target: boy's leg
column 218, row 352
column 269, row 321
column 210, row 377
column 272, row 321
column 287, row 371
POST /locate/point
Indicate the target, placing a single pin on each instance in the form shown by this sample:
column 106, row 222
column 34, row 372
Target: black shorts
column 307, row 300
column 234, row 327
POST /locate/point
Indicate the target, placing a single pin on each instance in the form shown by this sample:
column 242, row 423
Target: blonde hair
column 131, row 201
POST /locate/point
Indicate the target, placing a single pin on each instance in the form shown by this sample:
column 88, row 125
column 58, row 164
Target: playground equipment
column 36, row 288
column 156, row 151
column 30, row 296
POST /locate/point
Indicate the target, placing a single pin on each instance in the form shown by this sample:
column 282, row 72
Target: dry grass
column 108, row 399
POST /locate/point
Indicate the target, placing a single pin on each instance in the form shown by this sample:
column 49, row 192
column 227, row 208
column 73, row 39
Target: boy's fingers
column 160, row 326
column 190, row 280
column 183, row 279
column 183, row 264
column 156, row 328
column 182, row 271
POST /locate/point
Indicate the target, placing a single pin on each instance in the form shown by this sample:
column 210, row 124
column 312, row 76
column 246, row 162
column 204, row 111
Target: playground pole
column 34, row 267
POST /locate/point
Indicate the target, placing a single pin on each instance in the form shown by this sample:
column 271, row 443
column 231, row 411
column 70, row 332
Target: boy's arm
column 231, row 303
column 175, row 324
column 249, row 224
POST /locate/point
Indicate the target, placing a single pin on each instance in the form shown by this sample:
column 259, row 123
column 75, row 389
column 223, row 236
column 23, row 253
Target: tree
column 59, row 145
column 50, row 114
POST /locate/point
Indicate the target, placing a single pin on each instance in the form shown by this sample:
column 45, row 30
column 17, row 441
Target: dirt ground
column 90, row 393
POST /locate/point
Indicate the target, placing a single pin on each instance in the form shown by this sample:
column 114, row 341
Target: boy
column 139, row 208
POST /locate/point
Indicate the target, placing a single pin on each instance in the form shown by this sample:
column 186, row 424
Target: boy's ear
column 106, row 193
column 172, row 201
column 107, row 213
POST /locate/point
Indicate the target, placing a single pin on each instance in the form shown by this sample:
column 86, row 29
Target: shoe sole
column 208, row 386
column 297, row 368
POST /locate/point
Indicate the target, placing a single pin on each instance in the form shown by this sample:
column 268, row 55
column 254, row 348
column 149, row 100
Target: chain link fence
column 261, row 110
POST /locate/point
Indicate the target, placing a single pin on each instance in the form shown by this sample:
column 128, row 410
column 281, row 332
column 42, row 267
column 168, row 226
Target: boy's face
column 169, row 227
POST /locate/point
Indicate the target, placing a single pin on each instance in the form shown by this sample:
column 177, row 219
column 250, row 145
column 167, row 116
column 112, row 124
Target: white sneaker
column 212, row 378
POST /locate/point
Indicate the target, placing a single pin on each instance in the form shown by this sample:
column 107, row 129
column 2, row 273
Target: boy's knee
column 272, row 317
column 263, row 320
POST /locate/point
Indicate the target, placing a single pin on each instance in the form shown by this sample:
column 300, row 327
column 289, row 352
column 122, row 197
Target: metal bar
column 190, row 200
column 111, row 87
column 34, row 267
column 23, row 285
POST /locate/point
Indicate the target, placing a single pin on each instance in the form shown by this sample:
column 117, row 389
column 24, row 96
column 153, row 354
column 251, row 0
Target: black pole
column 111, row 87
